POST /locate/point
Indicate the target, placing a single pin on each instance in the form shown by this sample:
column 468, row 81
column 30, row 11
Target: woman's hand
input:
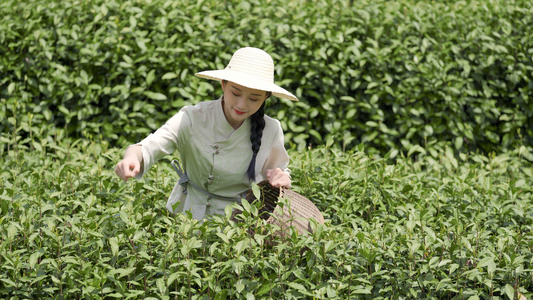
column 130, row 166
column 278, row 178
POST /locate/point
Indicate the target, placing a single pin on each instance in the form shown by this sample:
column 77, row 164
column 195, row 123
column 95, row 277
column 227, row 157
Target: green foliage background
column 400, row 75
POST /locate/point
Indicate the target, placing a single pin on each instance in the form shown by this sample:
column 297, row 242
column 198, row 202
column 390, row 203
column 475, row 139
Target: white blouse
column 214, row 155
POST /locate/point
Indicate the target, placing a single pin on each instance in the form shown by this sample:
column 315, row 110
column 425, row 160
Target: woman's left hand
column 278, row 178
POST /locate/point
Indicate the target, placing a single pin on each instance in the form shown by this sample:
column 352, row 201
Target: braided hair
column 256, row 133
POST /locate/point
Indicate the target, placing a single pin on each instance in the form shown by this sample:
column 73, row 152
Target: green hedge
column 442, row 228
column 403, row 74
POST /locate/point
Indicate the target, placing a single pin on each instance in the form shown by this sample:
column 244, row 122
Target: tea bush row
column 438, row 228
column 390, row 75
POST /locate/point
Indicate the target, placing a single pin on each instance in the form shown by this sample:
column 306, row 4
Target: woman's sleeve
column 164, row 141
column 278, row 157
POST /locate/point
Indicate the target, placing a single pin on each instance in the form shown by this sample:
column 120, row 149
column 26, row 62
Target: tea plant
column 390, row 74
column 428, row 225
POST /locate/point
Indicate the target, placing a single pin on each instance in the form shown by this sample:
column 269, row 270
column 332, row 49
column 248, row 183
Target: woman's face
column 240, row 102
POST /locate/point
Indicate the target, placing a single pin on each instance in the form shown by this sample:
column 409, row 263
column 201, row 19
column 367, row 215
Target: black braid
column 258, row 124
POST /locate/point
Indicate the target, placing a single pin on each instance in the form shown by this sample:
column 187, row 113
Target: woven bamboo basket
column 285, row 208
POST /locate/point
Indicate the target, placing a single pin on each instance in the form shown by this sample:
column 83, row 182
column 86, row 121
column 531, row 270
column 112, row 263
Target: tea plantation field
column 407, row 226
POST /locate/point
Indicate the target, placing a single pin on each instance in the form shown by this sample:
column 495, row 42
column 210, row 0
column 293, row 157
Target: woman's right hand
column 130, row 166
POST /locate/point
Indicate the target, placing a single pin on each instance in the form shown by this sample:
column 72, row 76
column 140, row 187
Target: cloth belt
column 184, row 180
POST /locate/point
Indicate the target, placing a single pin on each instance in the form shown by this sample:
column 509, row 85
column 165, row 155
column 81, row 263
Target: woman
column 224, row 144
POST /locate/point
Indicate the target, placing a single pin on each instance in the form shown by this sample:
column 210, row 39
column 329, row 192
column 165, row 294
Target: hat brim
column 247, row 81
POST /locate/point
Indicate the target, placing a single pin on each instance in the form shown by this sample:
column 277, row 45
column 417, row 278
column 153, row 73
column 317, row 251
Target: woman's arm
column 277, row 177
column 275, row 167
column 139, row 157
column 131, row 164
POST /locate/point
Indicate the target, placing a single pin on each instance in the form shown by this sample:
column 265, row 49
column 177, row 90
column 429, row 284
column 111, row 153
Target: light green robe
column 214, row 155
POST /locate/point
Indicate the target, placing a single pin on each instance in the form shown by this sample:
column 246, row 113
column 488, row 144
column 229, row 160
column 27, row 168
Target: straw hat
column 252, row 68
column 297, row 211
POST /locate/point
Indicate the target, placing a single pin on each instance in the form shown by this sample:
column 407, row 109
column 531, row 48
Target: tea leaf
column 33, row 259
column 509, row 291
column 113, row 242
column 155, row 95
column 256, row 191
